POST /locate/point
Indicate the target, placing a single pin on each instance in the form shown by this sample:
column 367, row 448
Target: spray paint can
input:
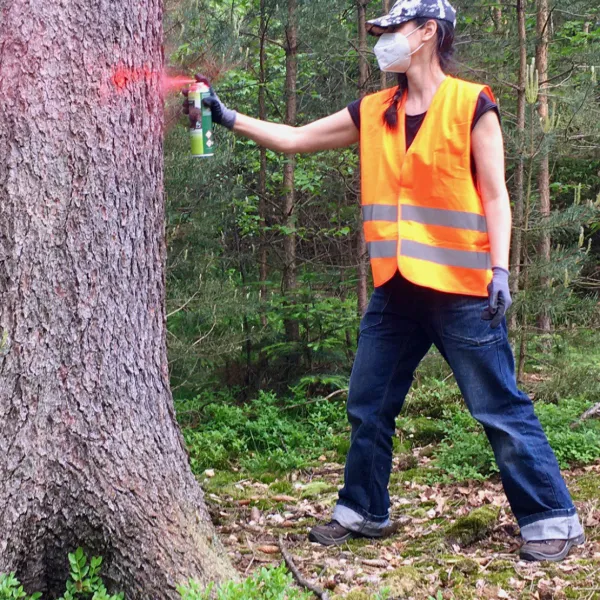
column 201, row 136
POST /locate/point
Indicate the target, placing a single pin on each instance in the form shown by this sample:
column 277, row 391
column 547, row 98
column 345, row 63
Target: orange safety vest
column 422, row 211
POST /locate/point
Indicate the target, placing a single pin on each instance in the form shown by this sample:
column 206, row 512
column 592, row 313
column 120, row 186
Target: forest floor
column 453, row 541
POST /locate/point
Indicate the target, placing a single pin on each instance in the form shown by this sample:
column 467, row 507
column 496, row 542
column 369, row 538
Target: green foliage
column 261, row 435
column 265, row 584
column 84, row 582
column 11, row 588
column 465, row 452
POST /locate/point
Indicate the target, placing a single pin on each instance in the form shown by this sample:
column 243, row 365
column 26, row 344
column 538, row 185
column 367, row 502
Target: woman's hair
column 444, row 52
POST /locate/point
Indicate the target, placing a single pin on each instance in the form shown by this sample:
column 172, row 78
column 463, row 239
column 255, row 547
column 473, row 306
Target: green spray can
column 201, row 136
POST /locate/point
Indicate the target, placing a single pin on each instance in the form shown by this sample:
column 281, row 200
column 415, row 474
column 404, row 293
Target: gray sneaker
column 550, row 550
column 331, row 534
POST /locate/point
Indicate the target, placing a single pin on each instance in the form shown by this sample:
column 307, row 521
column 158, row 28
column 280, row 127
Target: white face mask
column 393, row 51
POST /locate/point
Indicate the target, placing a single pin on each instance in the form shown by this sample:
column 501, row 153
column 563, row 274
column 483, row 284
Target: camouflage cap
column 407, row 10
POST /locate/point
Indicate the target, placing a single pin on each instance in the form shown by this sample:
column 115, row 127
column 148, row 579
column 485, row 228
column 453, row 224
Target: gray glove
column 499, row 298
column 220, row 113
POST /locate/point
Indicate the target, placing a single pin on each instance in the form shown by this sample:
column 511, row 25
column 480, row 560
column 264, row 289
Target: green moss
column 586, row 487
column 500, row 573
column 403, row 581
column 281, row 487
column 422, row 431
column 317, row 488
column 221, row 480
column 358, row 543
column 367, row 552
column 473, row 527
column 418, row 475
column 356, row 595
column 400, row 446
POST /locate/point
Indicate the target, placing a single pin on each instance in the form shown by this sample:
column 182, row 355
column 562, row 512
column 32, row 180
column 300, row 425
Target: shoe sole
column 533, row 556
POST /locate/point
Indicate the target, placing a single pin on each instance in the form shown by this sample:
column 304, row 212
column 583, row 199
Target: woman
column 437, row 222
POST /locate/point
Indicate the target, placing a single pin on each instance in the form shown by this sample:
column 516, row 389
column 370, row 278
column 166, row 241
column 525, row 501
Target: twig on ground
column 315, row 589
column 588, row 414
column 250, row 545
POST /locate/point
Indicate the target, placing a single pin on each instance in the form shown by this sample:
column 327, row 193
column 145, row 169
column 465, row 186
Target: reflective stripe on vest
column 426, row 216
column 386, row 249
column 446, row 218
column 440, row 256
column 422, row 211
column 445, row 256
column 380, row 212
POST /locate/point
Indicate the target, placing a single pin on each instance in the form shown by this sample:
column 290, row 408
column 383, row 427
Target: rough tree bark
column 363, row 78
column 517, row 241
column 90, row 452
column 289, row 242
column 543, row 38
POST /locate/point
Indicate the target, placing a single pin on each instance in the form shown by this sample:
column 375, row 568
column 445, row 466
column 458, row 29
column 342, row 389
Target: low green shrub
column 266, row 584
column 465, row 452
column 262, row 435
column 84, row 582
column 11, row 588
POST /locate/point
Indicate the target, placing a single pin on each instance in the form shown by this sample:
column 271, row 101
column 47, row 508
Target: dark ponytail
column 444, row 52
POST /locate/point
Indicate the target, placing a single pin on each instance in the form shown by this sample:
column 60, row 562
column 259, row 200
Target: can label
column 201, row 137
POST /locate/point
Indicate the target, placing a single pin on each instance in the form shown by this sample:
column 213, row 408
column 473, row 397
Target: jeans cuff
column 552, row 525
column 352, row 520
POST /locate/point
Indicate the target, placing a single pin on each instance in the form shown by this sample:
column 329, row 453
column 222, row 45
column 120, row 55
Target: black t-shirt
column 414, row 122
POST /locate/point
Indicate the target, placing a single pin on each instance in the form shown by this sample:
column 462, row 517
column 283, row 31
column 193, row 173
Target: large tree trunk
column 90, row 452
column 517, row 240
column 289, row 243
column 543, row 33
column 363, row 78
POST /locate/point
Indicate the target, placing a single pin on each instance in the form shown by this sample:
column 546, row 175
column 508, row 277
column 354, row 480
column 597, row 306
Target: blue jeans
column 401, row 324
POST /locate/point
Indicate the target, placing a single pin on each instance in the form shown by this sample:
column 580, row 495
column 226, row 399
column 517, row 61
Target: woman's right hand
column 220, row 113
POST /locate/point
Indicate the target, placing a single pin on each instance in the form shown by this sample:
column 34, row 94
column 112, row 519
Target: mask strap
column 417, row 29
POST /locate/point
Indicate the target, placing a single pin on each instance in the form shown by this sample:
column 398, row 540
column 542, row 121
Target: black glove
column 220, row 113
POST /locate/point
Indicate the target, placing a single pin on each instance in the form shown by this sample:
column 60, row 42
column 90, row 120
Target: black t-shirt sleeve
column 354, row 109
column 484, row 104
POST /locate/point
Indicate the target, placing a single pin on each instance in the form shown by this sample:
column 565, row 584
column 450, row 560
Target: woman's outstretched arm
column 335, row 131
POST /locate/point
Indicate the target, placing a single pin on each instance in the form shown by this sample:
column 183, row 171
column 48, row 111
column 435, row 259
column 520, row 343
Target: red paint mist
column 175, row 82
column 124, row 76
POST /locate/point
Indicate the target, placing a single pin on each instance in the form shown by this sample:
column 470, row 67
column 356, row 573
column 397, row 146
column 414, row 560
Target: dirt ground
column 452, row 542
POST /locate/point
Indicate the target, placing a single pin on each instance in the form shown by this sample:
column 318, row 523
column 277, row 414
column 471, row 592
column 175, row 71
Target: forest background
column 267, row 278
column 267, row 270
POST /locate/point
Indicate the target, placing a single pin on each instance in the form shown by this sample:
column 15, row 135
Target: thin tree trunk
column 517, row 241
column 363, row 78
column 90, row 451
column 543, row 37
column 262, row 177
column 289, row 244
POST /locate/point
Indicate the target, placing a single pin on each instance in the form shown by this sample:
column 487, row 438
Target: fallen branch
column 336, row 393
column 588, row 414
column 315, row 589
